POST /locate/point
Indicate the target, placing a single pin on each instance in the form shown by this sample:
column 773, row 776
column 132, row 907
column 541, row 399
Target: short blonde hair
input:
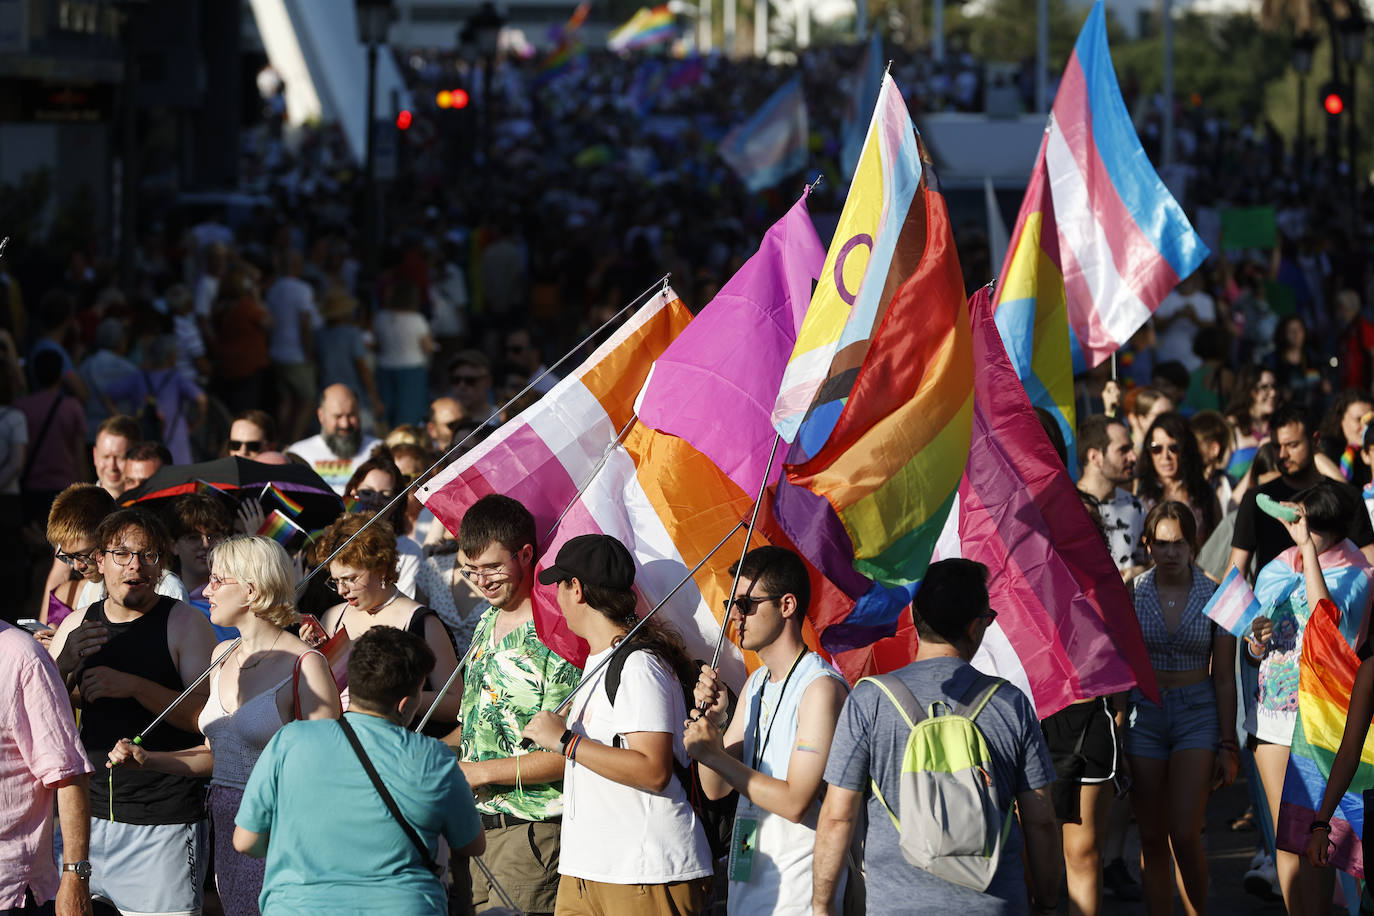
column 264, row 564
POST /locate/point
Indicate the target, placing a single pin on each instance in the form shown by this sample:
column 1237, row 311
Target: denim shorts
column 1187, row 721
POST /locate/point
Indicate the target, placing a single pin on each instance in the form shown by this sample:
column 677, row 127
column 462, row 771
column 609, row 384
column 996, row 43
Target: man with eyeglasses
column 510, row 676
column 864, row 770
column 523, row 352
column 340, row 446
column 125, row 659
column 469, row 376
column 445, row 416
column 782, row 727
column 1261, row 537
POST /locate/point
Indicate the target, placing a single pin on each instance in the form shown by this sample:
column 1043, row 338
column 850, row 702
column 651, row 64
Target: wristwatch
column 82, row 869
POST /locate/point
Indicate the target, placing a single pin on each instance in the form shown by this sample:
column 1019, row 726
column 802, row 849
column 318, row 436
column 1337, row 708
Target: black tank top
column 123, row 794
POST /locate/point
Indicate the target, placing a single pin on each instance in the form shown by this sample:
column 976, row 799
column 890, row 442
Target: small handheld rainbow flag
column 205, row 486
column 1233, row 605
column 284, row 531
column 276, row 493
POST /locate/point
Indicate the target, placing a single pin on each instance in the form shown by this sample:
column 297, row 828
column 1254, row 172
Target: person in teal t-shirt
column 330, row 843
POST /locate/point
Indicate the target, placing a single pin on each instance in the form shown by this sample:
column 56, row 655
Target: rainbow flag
column 1233, row 605
column 1099, row 241
column 884, row 360
column 276, row 493
column 662, row 498
column 647, row 27
column 567, row 48
column 285, row 532
column 205, row 487
column 1327, row 677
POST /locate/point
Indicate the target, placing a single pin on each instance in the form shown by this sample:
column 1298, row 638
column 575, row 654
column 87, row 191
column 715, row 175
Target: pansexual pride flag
column 882, row 443
column 1099, row 240
column 666, row 501
column 647, row 27
column 1324, row 686
column 1233, row 605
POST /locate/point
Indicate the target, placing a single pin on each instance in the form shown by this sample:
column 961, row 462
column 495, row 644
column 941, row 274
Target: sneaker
column 1261, row 857
column 1263, row 882
column 1117, row 880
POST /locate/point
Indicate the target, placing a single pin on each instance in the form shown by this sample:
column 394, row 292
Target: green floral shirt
column 504, row 687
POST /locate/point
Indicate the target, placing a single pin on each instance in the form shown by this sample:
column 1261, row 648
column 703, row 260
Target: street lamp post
column 483, row 32
column 1303, row 46
column 374, row 22
column 1352, row 34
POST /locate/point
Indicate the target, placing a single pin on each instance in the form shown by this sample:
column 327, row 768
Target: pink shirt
column 38, row 749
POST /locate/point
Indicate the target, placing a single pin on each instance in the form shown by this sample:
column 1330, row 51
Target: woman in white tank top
column 265, row 681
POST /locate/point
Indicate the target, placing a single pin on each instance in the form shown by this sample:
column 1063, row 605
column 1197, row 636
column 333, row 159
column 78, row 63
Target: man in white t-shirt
column 292, row 303
column 774, row 749
column 340, row 446
column 1108, row 461
column 1178, row 319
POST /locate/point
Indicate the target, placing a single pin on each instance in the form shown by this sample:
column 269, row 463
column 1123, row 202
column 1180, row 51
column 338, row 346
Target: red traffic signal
column 403, row 119
column 452, row 98
column 1333, row 103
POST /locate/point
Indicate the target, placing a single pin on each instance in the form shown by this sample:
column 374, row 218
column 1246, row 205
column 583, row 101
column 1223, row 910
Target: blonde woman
column 270, row 678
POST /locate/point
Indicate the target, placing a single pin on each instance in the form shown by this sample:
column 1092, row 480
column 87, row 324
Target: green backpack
column 952, row 825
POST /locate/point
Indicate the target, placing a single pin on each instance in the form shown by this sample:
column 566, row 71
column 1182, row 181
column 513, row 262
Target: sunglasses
column 1157, row 448
column 373, row 496
column 467, row 379
column 747, row 605
column 990, row 616
column 251, row 445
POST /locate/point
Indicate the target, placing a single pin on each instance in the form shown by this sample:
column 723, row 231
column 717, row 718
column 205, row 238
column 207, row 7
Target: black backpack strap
column 37, row 441
column 387, row 800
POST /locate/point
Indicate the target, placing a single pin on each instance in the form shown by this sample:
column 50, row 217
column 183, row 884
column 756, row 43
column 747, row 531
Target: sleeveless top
column 238, row 738
column 416, row 627
column 780, row 879
column 58, row 610
column 1190, row 645
column 124, row 794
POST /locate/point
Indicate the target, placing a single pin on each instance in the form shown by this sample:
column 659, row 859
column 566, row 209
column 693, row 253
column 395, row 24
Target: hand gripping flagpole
column 138, row 739
column 660, row 285
column 749, row 536
column 587, row 678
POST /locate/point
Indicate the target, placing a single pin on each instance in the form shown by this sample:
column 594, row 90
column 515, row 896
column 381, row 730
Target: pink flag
column 716, row 383
column 1064, row 619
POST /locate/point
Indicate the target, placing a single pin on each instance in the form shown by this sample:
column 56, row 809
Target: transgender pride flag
column 1233, row 605
column 1099, row 240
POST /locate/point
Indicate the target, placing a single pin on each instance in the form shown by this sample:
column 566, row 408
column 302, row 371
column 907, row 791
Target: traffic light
column 452, row 98
column 1333, row 97
column 403, row 119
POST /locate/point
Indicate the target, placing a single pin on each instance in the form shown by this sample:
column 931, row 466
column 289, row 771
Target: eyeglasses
column 344, row 581
column 467, row 379
column 219, row 583
column 515, row 348
column 1265, row 386
column 247, row 445
column 748, row 604
column 1157, row 448
column 482, row 573
column 75, row 559
column 122, row 556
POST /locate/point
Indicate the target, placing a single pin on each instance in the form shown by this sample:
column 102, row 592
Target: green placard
column 1248, row 227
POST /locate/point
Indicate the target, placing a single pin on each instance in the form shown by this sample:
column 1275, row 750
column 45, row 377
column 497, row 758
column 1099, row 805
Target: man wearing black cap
column 510, row 676
column 631, row 842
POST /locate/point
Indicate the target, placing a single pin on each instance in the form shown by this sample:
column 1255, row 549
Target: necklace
column 259, row 656
column 395, row 593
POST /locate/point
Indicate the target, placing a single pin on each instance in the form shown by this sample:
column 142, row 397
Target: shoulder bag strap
column 42, row 434
column 387, row 800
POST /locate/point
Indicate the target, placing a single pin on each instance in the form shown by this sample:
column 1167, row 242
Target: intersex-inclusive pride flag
column 772, row 144
column 1325, row 682
column 645, row 28
column 715, row 384
column 879, row 390
column 1099, row 240
column 667, row 502
column 1065, row 626
column 1233, row 605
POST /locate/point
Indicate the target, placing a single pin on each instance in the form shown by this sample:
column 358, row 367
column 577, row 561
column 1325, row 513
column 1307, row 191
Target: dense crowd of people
column 266, row 336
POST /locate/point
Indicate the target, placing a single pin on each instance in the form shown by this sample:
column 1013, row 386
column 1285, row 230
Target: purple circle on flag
column 862, row 238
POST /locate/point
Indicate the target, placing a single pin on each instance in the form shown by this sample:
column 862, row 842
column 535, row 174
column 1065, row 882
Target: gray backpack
column 951, row 824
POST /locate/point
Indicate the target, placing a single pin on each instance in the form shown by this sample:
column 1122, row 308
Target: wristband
column 563, row 741
column 571, row 751
column 1319, row 825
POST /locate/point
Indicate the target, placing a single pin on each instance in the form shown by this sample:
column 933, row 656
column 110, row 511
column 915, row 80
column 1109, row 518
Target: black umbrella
column 295, row 485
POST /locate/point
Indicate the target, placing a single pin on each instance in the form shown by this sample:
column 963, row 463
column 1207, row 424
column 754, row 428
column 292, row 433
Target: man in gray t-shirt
column 951, row 612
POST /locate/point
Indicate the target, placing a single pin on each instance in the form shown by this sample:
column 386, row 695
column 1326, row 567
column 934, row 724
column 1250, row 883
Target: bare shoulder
column 187, row 625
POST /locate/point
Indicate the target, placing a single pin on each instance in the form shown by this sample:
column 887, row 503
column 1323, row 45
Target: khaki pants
column 524, row 861
column 577, row 897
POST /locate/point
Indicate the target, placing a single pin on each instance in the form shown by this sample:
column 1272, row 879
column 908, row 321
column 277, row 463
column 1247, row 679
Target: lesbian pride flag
column 1325, row 683
column 666, row 501
column 1099, row 241
column 1233, row 605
